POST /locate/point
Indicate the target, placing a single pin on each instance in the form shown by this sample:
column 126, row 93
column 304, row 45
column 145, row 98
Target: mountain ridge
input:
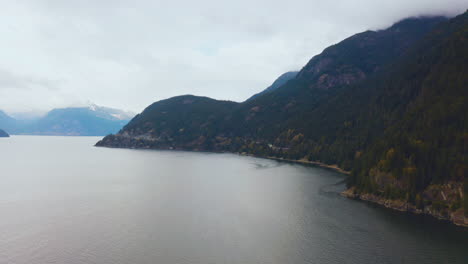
column 280, row 81
column 346, row 107
column 91, row 120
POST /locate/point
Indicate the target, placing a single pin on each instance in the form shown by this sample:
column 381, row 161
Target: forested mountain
column 421, row 158
column 74, row 121
column 388, row 105
column 273, row 117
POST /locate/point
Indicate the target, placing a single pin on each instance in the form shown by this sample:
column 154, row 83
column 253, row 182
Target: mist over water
column 64, row 201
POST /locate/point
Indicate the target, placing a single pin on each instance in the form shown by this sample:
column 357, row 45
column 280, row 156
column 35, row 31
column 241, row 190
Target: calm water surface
column 64, row 201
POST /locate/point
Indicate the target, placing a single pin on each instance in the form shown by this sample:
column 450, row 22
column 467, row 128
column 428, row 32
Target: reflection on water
column 64, row 201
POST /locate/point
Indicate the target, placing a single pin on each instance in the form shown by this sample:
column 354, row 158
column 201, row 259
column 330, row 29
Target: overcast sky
column 128, row 54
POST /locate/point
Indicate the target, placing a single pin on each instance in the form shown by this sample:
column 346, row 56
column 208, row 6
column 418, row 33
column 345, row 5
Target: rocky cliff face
column 443, row 201
column 363, row 54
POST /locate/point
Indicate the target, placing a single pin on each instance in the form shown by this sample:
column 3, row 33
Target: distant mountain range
column 3, row 133
column 74, row 121
column 280, row 81
column 390, row 106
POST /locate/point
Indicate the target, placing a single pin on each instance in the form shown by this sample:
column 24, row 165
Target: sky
column 129, row 54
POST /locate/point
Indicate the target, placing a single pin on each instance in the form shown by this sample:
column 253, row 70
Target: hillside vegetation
column 390, row 106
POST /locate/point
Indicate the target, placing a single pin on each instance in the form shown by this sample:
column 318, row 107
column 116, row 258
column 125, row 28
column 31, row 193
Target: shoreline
column 398, row 205
column 457, row 218
column 333, row 167
column 308, row 162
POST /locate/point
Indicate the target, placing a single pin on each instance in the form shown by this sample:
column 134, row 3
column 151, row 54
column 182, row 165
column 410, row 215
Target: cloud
column 128, row 54
column 9, row 80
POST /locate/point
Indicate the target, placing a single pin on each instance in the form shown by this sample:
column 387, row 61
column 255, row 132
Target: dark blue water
column 64, row 201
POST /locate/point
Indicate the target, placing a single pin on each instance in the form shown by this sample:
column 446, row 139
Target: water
column 64, row 201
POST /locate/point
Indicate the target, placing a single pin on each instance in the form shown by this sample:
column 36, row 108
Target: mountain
column 178, row 120
column 271, row 118
column 3, row 133
column 280, row 81
column 419, row 162
column 7, row 121
column 27, row 116
column 74, row 121
column 110, row 113
column 365, row 53
column 390, row 106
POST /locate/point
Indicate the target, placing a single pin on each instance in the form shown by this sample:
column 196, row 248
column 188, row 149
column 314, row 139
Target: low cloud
column 11, row 81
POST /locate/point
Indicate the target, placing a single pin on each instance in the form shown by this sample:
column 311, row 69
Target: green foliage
column 465, row 197
column 427, row 128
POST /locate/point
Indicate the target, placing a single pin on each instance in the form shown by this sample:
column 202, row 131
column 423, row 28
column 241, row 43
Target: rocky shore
column 438, row 199
column 457, row 216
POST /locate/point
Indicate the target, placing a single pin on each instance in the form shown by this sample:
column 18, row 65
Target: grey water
column 64, row 201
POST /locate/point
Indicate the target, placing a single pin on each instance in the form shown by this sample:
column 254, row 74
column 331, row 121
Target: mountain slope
column 268, row 118
column 280, row 81
column 187, row 121
column 3, row 133
column 7, row 122
column 335, row 69
column 389, row 105
column 366, row 52
column 421, row 159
